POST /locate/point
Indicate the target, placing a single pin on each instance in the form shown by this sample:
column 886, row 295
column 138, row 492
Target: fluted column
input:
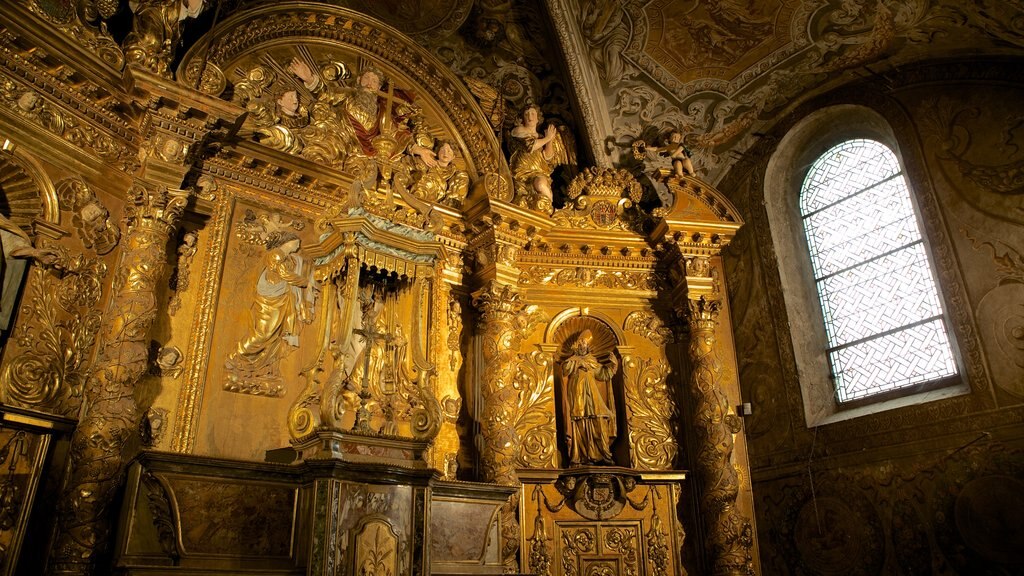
column 729, row 536
column 101, row 443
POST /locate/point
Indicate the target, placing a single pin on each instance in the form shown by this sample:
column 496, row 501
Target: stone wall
column 930, row 487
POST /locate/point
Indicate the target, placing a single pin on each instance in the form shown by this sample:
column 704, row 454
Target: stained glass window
column 883, row 317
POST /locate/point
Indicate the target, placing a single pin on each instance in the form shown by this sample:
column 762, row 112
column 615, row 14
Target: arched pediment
column 320, row 35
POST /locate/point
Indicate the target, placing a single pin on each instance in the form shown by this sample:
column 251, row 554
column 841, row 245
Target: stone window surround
column 788, row 166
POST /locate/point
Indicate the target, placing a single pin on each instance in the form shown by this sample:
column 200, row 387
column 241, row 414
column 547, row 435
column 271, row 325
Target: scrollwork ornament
column 591, row 277
column 535, row 421
column 505, row 320
column 57, row 340
column 647, row 324
column 96, row 40
column 163, row 516
column 652, row 410
column 601, row 198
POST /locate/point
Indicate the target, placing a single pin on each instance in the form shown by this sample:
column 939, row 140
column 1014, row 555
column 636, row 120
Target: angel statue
column 673, row 151
column 534, row 156
column 282, row 132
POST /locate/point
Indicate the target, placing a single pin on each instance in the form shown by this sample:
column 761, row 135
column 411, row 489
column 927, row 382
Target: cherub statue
column 674, row 149
column 441, row 180
column 534, row 156
column 282, row 128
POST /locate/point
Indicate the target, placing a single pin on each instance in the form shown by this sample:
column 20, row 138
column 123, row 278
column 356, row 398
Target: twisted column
column 500, row 309
column 729, row 536
column 100, row 446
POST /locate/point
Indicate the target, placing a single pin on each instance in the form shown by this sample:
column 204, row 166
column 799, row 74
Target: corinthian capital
column 497, row 301
column 155, row 206
column 703, row 313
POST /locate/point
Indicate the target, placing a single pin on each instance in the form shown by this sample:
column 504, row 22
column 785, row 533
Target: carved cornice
column 28, row 70
column 26, row 101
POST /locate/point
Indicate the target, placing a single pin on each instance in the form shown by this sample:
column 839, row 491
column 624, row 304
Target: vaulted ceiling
column 722, row 70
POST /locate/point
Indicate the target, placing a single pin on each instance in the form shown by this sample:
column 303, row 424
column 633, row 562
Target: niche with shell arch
column 26, row 197
column 563, row 336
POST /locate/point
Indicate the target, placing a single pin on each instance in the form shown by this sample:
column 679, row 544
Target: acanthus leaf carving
column 652, row 410
column 591, row 277
column 57, row 338
column 535, row 421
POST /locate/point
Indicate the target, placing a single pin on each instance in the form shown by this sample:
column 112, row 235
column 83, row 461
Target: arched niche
column 27, row 194
column 559, row 338
column 272, row 35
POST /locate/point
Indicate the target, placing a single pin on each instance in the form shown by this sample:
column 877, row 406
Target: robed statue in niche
column 588, row 403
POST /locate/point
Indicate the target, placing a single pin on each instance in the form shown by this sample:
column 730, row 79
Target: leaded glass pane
column 851, row 166
column 879, row 295
column 883, row 315
column 892, row 361
column 874, row 222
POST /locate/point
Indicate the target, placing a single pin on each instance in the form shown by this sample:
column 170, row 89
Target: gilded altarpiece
column 362, row 293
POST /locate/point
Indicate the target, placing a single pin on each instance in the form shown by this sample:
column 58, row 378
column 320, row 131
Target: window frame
column 787, row 169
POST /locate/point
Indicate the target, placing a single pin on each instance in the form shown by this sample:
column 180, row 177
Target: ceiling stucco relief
column 720, row 69
column 713, row 39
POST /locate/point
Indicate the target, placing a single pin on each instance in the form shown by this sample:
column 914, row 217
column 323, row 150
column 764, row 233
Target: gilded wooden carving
column 535, row 410
column 652, row 413
column 591, row 522
column 505, row 320
column 730, row 535
column 56, row 339
column 647, row 324
column 113, row 417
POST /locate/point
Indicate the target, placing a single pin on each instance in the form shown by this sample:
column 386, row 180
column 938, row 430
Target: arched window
column 884, row 321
